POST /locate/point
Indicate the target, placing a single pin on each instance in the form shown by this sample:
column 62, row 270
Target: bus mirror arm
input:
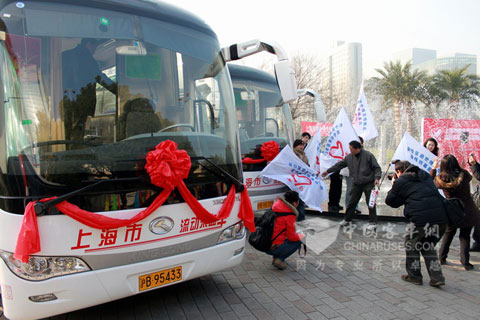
column 41, row 208
column 284, row 72
column 319, row 107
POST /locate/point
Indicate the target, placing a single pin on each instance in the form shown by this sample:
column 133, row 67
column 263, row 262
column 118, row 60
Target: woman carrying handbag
column 455, row 183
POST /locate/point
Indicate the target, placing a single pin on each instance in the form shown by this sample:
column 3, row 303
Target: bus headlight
column 237, row 231
column 42, row 268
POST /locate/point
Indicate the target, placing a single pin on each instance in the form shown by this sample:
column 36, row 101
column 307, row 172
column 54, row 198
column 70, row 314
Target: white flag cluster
column 290, row 170
column 336, row 147
column 363, row 121
column 414, row 152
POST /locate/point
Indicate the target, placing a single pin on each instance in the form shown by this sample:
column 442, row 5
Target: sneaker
column 357, row 211
column 371, row 227
column 279, row 264
column 345, row 223
column 437, row 284
column 443, row 262
column 405, row 277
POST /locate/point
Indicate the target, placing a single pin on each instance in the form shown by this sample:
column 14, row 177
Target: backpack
column 261, row 239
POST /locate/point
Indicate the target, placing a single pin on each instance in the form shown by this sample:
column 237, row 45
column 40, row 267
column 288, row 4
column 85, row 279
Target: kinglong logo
column 161, row 225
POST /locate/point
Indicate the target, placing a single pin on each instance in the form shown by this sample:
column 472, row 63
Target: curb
column 331, row 214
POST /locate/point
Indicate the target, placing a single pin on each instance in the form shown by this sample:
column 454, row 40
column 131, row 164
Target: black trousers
column 335, row 192
column 464, row 238
column 422, row 240
column 355, row 196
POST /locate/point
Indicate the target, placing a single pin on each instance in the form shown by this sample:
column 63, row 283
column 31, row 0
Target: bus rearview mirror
column 286, row 80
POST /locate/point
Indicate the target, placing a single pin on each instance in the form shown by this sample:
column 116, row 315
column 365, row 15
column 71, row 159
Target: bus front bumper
column 86, row 289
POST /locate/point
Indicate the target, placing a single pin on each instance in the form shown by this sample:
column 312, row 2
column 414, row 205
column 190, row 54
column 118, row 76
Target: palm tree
column 431, row 96
column 400, row 85
column 457, row 86
column 412, row 93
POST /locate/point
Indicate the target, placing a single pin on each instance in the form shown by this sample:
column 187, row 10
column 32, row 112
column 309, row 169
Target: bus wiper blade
column 42, row 207
column 238, row 184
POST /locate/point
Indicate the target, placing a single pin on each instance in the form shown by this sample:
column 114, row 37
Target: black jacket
column 363, row 167
column 423, row 203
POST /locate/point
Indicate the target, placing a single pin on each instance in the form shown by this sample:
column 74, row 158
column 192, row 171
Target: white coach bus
column 263, row 116
column 88, row 89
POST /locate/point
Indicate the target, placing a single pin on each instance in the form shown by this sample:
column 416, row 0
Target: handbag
column 455, row 211
column 476, row 196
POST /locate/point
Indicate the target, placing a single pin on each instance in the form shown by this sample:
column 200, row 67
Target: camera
column 392, row 175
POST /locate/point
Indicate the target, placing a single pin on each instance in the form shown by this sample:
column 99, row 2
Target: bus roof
column 246, row 73
column 148, row 8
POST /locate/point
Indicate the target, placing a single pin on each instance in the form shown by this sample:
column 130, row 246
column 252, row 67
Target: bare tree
column 309, row 74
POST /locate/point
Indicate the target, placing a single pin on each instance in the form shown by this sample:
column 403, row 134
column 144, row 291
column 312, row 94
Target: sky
column 383, row 27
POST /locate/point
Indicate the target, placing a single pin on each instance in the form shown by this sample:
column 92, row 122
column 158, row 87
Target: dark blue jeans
column 285, row 250
column 301, row 211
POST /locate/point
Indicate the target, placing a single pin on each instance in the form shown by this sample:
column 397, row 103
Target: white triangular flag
column 314, row 149
column 363, row 122
column 336, row 147
column 414, row 152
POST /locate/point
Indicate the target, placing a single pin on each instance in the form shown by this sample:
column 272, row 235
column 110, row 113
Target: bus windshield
column 261, row 113
column 88, row 92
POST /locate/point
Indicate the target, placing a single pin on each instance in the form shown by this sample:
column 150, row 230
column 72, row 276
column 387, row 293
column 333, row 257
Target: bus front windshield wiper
column 223, row 173
column 42, row 207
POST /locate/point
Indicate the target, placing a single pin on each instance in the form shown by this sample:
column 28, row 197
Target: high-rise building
column 457, row 61
column 342, row 73
column 426, row 59
column 415, row 56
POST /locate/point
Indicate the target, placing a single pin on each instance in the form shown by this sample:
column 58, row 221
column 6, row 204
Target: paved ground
column 340, row 282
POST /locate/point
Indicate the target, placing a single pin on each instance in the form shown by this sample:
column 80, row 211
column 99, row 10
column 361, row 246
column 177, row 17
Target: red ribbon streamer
column 166, row 166
column 252, row 161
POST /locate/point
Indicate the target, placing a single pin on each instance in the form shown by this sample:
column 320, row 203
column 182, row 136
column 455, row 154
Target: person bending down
column 285, row 238
column 427, row 218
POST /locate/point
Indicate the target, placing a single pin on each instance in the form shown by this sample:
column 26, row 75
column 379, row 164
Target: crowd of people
column 421, row 193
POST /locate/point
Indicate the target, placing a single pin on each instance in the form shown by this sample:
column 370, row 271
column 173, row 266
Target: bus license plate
column 159, row 278
column 264, row 204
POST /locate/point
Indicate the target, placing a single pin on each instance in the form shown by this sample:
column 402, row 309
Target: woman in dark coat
column 475, row 168
column 455, row 183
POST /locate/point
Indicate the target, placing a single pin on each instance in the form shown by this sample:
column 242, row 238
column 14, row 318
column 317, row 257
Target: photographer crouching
column 427, row 218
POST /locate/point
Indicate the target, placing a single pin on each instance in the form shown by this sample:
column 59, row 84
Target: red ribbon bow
column 268, row 151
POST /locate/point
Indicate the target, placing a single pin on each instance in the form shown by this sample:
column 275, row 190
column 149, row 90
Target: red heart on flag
column 337, row 151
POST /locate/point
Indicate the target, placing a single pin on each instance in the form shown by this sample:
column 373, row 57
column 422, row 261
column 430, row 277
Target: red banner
column 457, row 137
column 312, row 127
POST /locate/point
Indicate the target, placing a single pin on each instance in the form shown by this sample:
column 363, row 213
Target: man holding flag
column 366, row 173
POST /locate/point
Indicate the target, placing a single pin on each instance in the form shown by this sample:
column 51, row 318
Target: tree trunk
column 397, row 122
column 453, row 106
column 410, row 118
column 383, row 149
